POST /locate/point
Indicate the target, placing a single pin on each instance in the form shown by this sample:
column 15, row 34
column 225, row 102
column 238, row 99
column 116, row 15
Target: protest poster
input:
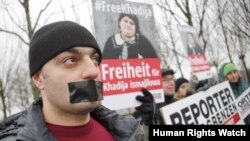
column 123, row 79
column 195, row 52
column 243, row 103
column 124, row 30
column 216, row 106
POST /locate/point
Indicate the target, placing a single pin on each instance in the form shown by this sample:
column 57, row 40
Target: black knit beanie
column 179, row 82
column 54, row 38
column 165, row 72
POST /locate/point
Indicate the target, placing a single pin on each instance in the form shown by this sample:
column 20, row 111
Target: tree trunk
column 4, row 110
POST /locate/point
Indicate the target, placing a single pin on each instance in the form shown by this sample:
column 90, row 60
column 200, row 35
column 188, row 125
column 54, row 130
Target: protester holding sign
column 229, row 72
column 215, row 106
column 148, row 111
column 129, row 42
column 168, row 87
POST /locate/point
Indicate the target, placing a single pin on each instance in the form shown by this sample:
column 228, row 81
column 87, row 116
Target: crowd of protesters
column 177, row 89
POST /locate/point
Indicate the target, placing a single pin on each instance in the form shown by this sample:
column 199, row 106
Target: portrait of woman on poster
column 193, row 47
column 129, row 42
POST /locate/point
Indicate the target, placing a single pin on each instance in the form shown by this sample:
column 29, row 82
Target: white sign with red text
column 195, row 52
column 216, row 106
column 123, row 80
column 243, row 103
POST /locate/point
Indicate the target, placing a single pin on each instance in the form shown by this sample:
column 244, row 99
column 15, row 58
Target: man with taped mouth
column 64, row 60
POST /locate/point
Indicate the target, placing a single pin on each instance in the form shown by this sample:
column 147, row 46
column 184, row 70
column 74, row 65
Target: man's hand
column 148, row 110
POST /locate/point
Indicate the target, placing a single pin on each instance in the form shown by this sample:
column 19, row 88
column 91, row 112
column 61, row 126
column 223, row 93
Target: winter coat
column 168, row 100
column 238, row 88
column 29, row 125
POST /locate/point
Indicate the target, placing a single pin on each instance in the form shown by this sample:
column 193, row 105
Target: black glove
column 148, row 110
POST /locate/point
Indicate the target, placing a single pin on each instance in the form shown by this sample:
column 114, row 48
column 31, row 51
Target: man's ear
column 37, row 79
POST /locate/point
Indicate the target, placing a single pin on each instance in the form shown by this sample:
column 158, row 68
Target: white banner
column 243, row 103
column 216, row 106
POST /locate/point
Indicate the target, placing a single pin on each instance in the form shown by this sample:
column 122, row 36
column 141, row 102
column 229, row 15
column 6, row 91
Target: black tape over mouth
column 89, row 90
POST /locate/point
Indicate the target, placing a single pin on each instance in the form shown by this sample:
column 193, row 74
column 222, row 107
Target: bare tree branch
column 186, row 11
column 16, row 34
column 39, row 15
column 25, row 5
column 62, row 9
column 12, row 19
column 166, row 7
column 179, row 6
column 75, row 13
column 223, row 27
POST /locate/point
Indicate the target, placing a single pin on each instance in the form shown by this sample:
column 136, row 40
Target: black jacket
column 168, row 100
column 29, row 125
